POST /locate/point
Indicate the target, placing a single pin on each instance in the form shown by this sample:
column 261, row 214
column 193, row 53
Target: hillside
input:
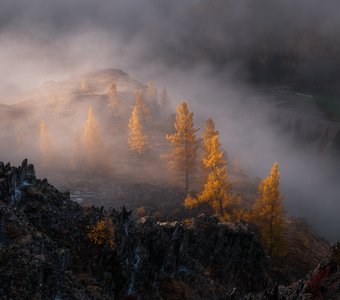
column 47, row 252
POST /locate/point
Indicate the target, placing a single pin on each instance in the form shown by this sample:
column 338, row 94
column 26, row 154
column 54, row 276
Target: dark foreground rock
column 46, row 253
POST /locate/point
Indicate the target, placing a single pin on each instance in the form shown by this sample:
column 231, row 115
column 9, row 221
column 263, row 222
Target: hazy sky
column 41, row 40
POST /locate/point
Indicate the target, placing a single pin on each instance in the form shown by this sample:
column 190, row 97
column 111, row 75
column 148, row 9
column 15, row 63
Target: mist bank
column 243, row 115
column 259, row 42
column 244, row 118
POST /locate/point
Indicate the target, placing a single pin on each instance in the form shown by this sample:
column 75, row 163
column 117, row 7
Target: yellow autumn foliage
column 216, row 190
column 209, row 132
column 137, row 140
column 190, row 202
column 182, row 158
column 92, row 143
column 102, row 233
column 91, row 138
column 268, row 212
column 142, row 108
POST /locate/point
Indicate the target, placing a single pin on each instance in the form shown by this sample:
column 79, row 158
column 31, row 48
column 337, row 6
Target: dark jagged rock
column 13, row 180
column 46, row 253
column 41, row 236
column 205, row 257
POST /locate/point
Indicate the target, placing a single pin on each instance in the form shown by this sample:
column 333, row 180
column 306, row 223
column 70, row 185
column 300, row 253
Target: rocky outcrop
column 46, row 253
column 41, row 236
column 13, row 180
column 204, row 257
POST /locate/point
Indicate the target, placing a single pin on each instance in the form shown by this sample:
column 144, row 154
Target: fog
column 206, row 52
column 63, row 37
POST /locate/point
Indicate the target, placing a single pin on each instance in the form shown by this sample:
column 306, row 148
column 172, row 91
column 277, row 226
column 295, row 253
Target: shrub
column 102, row 233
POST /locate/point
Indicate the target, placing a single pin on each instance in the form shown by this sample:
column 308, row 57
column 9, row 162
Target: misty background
column 215, row 54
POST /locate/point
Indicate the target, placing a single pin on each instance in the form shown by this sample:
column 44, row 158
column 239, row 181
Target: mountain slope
column 46, row 252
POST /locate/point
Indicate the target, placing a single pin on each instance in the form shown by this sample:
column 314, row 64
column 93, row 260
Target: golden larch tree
column 216, row 190
column 142, row 108
column 92, row 142
column 137, row 140
column 47, row 147
column 183, row 157
column 268, row 212
column 209, row 132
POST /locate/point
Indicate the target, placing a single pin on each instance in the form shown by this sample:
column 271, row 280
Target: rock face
column 40, row 235
column 46, row 253
column 201, row 260
column 13, row 180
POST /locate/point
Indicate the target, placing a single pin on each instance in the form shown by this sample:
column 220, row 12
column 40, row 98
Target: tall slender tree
column 216, row 190
column 92, row 141
column 142, row 108
column 137, row 140
column 208, row 134
column 268, row 212
column 183, row 157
